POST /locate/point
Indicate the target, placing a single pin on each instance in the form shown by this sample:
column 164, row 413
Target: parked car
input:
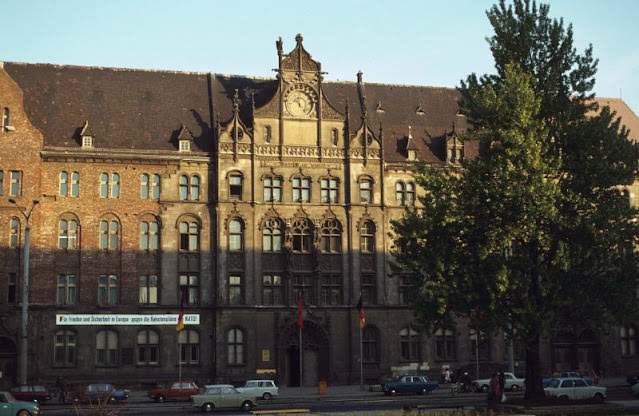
column 95, row 392
column 511, row 382
column 218, row 396
column 635, row 389
column 31, row 393
column 10, row 406
column 264, row 389
column 410, row 384
column 579, row 374
column 178, row 390
column 574, row 388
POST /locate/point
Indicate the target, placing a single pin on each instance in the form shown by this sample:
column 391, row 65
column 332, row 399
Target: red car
column 179, row 390
column 38, row 394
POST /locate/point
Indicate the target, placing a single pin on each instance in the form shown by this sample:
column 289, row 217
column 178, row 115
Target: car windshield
column 553, row 383
column 39, row 388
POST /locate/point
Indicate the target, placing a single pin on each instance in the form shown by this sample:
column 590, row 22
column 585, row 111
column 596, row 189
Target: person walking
column 494, row 397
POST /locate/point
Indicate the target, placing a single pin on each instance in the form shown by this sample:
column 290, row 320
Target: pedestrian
column 502, row 385
column 493, row 397
column 58, row 387
column 447, row 375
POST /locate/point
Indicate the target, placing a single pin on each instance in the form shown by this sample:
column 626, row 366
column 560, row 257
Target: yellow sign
column 266, row 356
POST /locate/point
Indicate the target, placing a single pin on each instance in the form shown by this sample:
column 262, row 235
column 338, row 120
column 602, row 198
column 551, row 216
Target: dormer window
column 185, row 138
column 5, row 120
column 87, row 141
column 185, row 145
column 86, row 135
column 412, row 154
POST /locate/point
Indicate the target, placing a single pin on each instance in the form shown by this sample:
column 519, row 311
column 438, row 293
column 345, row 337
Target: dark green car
column 218, row 396
column 9, row 406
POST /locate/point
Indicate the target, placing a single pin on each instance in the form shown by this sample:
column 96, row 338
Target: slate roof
column 144, row 110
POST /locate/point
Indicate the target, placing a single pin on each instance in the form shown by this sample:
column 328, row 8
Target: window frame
column 108, row 339
column 236, row 190
column 301, row 188
column 66, row 290
column 189, row 350
column 235, row 342
column 148, row 289
column 65, row 348
column 149, row 348
column 329, row 190
column 108, row 290
column 366, row 190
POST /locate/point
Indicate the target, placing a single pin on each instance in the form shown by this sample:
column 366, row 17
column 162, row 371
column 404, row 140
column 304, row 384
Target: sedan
column 10, row 406
column 38, row 394
column 574, row 388
column 217, row 396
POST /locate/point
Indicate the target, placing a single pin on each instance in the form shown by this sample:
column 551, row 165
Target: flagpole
column 179, row 360
column 361, row 360
column 300, row 330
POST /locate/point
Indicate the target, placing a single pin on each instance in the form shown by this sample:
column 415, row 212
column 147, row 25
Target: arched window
column 272, row 236
column 64, row 183
column 195, row 188
column 235, row 347
column 189, row 341
column 399, row 193
column 148, row 347
column 236, row 235
column 184, row 187
column 301, row 231
column 366, row 190
column 410, row 194
column 405, row 193
column 104, row 185
column 75, row 184
column 109, row 235
column 64, row 350
column 410, row 344
column 106, row 348
column 367, row 237
column 189, row 236
column 144, row 186
column 155, row 186
column 68, row 234
column 331, row 236
column 149, row 239
column 115, row 185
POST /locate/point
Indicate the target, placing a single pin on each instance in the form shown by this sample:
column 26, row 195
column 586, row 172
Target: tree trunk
column 534, row 387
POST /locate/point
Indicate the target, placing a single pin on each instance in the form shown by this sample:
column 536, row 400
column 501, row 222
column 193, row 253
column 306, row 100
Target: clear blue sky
column 415, row 42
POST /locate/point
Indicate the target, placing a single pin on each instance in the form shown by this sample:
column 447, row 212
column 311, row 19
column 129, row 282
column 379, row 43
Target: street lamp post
column 24, row 337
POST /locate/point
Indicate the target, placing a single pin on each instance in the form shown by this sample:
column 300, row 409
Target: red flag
column 300, row 312
column 180, row 322
column 477, row 317
column 360, row 310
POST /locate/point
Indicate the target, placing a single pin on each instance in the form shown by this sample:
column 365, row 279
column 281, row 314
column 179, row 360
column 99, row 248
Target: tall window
column 272, row 188
column 370, row 352
column 12, row 291
column 15, row 178
column 366, row 190
column 144, row 186
column 106, row 348
column 369, row 289
column 148, row 347
column 235, row 186
column 410, row 344
column 267, row 134
column 75, row 185
column 189, row 188
column 149, row 235
column 109, row 235
column 331, row 236
column 235, row 346
column 331, row 289
column 66, row 290
column 148, row 290
column 236, row 235
column 334, row 137
column 445, row 345
column 189, row 236
column 64, row 348
column 406, row 291
column 367, row 237
column 236, row 295
column 155, row 186
column 329, row 190
column 272, row 236
column 190, row 288
column 189, row 341
column 484, row 346
column 628, row 338
column 68, row 234
column 107, row 290
column 301, row 189
column 405, row 193
column 194, row 188
column 69, row 184
column 184, row 187
column 64, row 183
column 109, row 185
column 14, row 232
column 301, row 232
column 272, row 289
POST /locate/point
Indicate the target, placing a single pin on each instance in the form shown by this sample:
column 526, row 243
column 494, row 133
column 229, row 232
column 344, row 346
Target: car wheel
column 24, row 413
column 267, row 396
column 599, row 398
column 246, row 406
column 563, row 398
column 160, row 398
column 207, row 407
column 514, row 387
column 393, row 392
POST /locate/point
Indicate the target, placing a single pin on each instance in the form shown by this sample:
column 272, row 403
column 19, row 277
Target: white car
column 511, row 382
column 264, row 389
column 574, row 388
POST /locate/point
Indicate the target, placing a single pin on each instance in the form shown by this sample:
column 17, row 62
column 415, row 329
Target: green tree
column 536, row 232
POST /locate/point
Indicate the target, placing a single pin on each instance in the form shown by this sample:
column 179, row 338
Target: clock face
column 298, row 103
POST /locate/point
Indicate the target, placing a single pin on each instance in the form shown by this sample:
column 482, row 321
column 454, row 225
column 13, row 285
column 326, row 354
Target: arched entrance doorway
column 312, row 365
column 8, row 358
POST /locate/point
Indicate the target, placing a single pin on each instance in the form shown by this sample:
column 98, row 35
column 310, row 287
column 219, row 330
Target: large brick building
column 229, row 197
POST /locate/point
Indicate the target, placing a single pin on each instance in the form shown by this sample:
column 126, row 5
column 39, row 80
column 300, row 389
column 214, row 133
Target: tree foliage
column 536, row 232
